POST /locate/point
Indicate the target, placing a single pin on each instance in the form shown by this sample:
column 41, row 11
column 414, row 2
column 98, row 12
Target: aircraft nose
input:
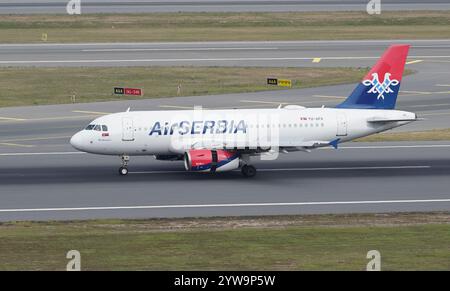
column 77, row 141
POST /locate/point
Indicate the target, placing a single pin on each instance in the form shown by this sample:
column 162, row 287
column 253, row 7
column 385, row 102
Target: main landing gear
column 248, row 171
column 124, row 169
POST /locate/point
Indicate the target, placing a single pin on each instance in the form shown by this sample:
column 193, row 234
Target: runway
column 425, row 92
column 357, row 178
column 151, row 6
column 356, row 53
column 43, row 178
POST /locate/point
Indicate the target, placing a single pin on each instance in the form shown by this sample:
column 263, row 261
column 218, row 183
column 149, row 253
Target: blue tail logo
column 374, row 92
column 381, row 88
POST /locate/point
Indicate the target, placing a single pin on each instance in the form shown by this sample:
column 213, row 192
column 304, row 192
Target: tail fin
column 380, row 87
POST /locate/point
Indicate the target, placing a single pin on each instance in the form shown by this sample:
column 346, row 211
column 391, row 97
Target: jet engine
column 211, row 160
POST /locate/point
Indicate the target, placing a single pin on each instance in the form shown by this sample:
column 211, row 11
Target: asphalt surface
column 425, row 92
column 368, row 178
column 267, row 53
column 39, row 170
column 148, row 6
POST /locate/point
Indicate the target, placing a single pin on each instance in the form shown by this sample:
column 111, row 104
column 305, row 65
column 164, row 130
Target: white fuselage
column 175, row 132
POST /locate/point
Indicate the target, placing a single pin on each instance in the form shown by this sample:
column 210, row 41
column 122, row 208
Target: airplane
column 227, row 140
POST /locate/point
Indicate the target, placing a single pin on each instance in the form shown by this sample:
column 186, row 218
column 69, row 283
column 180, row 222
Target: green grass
column 224, row 26
column 39, row 86
column 426, row 135
column 412, row 241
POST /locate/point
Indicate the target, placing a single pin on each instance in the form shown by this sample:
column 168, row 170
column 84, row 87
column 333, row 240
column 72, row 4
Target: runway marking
column 417, row 92
column 426, row 93
column 346, row 168
column 306, row 42
column 442, row 85
column 316, row 60
column 330, row 96
column 392, row 147
column 15, row 145
column 60, row 118
column 40, row 154
column 265, row 105
column 35, row 138
column 435, row 114
column 264, row 102
column 178, row 107
column 91, row 112
column 343, row 147
column 224, row 205
column 11, row 118
column 179, row 49
column 414, row 62
column 195, row 60
column 148, row 60
column 429, row 105
column 300, row 169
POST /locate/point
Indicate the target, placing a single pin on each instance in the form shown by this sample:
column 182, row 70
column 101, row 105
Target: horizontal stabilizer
column 384, row 119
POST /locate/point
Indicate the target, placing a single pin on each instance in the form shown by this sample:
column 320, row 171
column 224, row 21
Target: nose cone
column 77, row 141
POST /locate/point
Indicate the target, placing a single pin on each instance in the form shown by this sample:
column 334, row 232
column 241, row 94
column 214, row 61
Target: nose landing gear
column 123, row 171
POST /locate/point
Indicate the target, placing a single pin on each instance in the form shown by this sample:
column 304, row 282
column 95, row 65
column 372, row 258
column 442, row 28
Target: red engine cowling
column 211, row 160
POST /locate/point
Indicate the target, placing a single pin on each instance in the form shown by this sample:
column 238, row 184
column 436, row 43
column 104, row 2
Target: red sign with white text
column 133, row 91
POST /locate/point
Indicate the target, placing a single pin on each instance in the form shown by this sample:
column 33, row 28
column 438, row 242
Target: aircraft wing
column 318, row 144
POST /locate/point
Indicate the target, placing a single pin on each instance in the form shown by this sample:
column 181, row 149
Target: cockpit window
column 97, row 127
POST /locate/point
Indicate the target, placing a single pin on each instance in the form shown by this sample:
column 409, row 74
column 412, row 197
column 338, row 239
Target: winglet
column 334, row 143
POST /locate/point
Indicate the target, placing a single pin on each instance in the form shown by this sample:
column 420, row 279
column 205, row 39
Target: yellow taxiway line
column 178, row 107
column 330, row 96
column 12, row 118
column 33, row 139
column 15, row 145
column 91, row 112
column 435, row 114
column 414, row 62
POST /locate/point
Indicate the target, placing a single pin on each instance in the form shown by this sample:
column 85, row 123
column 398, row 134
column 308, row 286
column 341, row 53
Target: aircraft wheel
column 248, row 171
column 123, row 171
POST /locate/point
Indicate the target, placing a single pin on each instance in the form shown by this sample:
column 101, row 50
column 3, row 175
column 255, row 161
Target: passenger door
column 341, row 124
column 127, row 129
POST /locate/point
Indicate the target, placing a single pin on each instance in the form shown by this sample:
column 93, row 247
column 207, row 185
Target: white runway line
column 305, row 42
column 303, row 169
column 343, row 147
column 40, row 154
column 195, row 60
column 393, row 147
column 180, row 49
column 347, row 168
column 143, row 207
